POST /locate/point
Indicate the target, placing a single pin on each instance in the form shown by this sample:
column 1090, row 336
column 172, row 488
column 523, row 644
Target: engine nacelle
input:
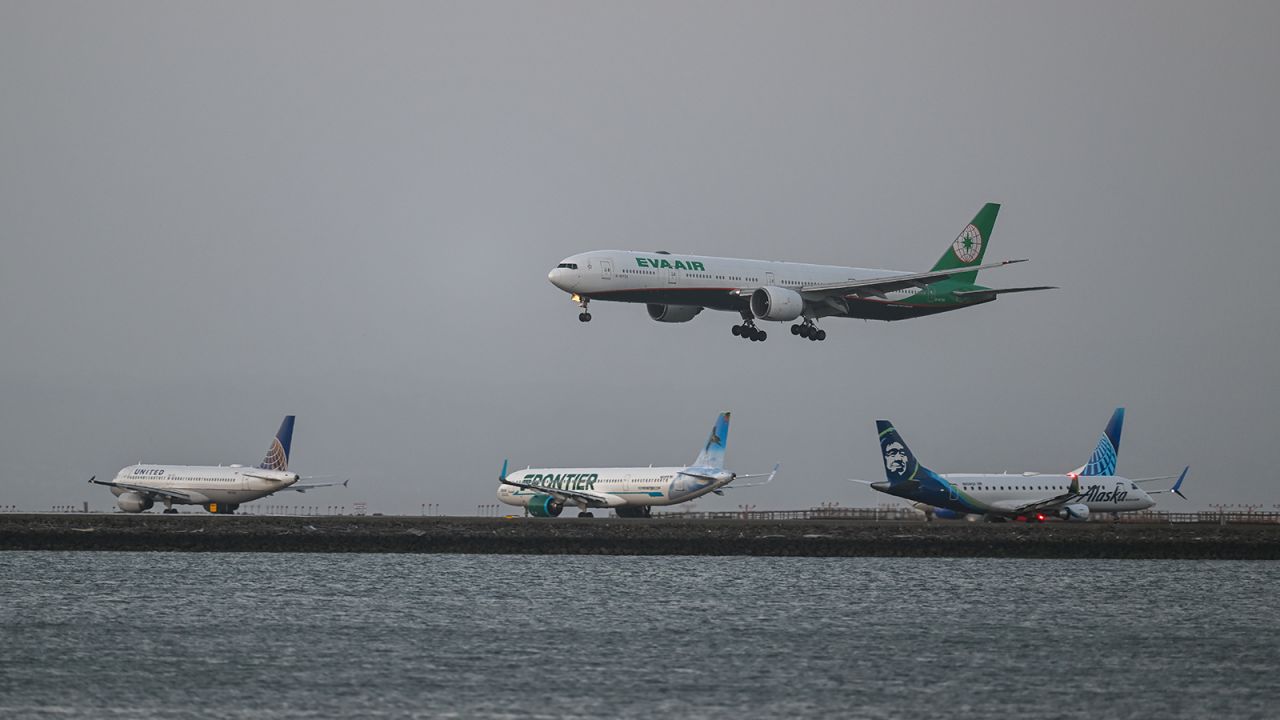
column 1075, row 511
column 541, row 505
column 134, row 502
column 775, row 303
column 672, row 313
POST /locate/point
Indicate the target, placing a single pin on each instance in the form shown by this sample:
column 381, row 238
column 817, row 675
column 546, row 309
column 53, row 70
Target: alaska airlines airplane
column 630, row 491
column 1028, row 496
column 219, row 489
column 675, row 288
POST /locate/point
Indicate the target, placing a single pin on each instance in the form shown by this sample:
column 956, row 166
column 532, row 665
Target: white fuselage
column 635, row 486
column 223, row 484
column 721, row 283
column 1005, row 492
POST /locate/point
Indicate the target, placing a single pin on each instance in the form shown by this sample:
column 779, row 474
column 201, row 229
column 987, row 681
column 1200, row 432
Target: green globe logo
column 968, row 246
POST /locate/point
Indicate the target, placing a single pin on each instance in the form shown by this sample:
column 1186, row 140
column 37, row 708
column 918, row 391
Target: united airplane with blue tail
column 675, row 288
column 1092, row 488
column 631, row 492
column 220, row 489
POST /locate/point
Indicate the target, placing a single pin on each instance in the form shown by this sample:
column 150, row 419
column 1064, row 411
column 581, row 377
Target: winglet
column 1177, row 487
column 92, row 478
column 502, row 477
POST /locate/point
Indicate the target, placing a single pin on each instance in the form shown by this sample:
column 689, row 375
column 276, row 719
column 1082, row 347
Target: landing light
column 577, row 298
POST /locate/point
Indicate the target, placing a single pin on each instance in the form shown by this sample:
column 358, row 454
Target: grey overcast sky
column 214, row 214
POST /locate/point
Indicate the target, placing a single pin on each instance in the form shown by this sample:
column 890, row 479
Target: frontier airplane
column 1027, row 496
column 675, row 288
column 219, row 489
column 630, row 491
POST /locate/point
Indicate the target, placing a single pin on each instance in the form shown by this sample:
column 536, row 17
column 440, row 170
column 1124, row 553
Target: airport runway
column 600, row 536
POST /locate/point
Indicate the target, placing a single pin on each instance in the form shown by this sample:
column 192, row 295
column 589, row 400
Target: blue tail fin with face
column 1107, row 454
column 278, row 452
column 712, row 455
column 900, row 464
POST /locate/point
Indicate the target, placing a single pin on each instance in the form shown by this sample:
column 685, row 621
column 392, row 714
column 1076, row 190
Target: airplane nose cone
column 561, row 278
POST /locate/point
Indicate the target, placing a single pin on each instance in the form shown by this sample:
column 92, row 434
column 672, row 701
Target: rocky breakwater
column 808, row 538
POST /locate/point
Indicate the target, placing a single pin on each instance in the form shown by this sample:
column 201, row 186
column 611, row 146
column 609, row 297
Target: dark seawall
column 810, row 538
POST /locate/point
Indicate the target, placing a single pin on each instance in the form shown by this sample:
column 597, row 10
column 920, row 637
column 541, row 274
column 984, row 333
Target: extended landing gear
column 634, row 511
column 748, row 330
column 585, row 514
column 583, row 316
column 808, row 330
column 169, row 511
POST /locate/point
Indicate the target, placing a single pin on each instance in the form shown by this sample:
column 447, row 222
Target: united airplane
column 1093, row 487
column 630, row 491
column 219, row 489
column 675, row 288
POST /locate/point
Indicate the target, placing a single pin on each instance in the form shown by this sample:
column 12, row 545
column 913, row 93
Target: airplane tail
column 1104, row 458
column 970, row 245
column 712, row 455
column 900, row 464
column 278, row 451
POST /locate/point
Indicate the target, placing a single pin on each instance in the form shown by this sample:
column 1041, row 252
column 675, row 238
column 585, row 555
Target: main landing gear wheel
column 584, row 317
column 810, row 331
column 170, row 511
column 748, row 331
column 584, row 513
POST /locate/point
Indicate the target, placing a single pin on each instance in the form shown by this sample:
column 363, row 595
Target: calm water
column 92, row 635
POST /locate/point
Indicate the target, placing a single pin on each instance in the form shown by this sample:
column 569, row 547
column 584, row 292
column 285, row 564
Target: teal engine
column 541, row 505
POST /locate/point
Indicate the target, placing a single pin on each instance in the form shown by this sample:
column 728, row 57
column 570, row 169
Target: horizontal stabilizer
column 992, row 292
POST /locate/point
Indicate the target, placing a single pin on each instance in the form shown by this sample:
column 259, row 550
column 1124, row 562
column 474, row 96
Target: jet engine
column 1074, row 511
column 775, row 303
column 134, row 502
column 545, row 506
column 672, row 313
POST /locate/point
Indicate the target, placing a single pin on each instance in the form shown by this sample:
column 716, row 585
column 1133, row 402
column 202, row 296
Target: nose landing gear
column 808, row 330
column 583, row 316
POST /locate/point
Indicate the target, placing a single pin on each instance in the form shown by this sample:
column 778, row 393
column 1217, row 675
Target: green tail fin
column 971, row 244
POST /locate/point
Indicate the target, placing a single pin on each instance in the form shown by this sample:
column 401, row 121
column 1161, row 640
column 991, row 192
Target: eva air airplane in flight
column 675, row 288
column 1091, row 488
column 630, row 491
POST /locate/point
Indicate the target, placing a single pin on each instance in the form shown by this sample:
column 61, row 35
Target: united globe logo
column 968, row 245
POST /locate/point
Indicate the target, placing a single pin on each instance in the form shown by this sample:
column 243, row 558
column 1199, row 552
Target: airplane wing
column 144, row 489
column 590, row 498
column 877, row 287
column 313, row 486
column 768, row 475
column 1177, row 487
column 1052, row 503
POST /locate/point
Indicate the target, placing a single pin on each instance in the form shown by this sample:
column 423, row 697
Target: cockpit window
column 568, row 266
